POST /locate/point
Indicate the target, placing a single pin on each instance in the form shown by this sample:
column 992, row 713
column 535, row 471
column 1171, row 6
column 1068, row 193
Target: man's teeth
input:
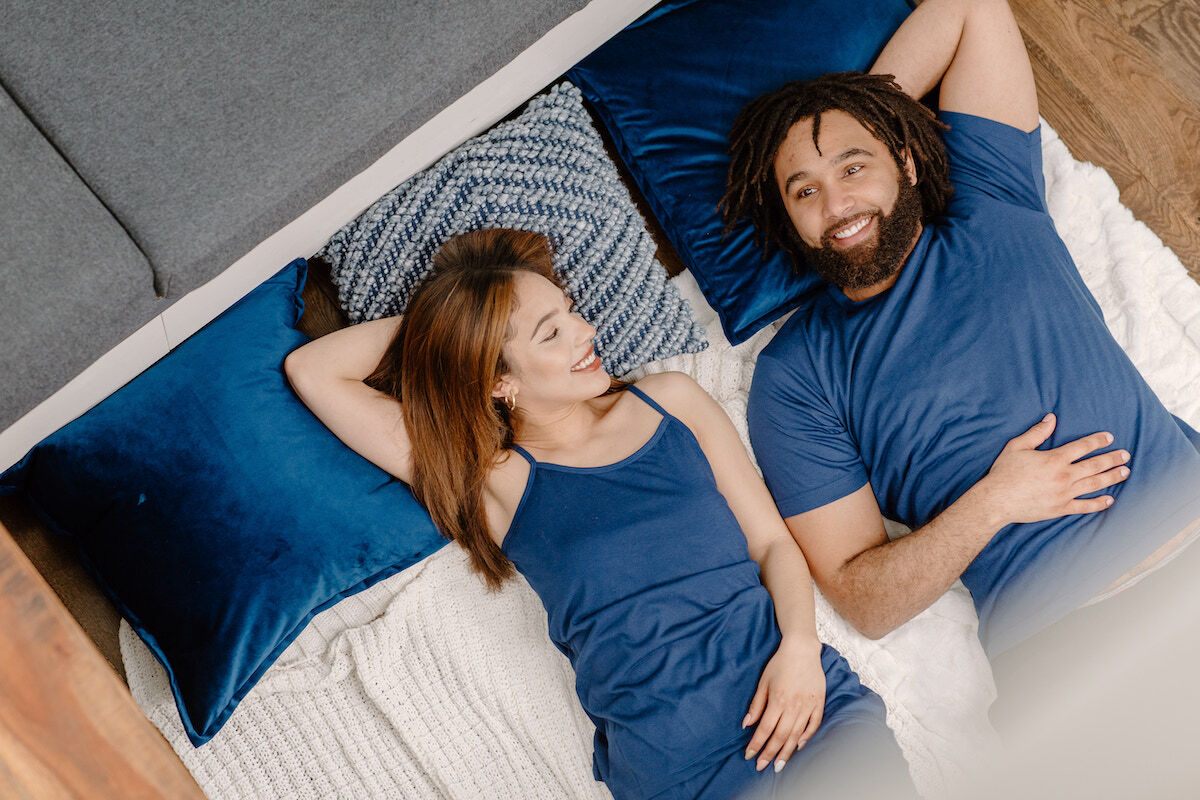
column 585, row 363
column 853, row 229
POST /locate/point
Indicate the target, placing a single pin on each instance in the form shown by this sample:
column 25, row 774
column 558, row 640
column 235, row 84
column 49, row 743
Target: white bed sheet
column 427, row 686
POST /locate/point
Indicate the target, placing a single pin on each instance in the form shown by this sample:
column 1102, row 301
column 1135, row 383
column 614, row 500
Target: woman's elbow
column 298, row 367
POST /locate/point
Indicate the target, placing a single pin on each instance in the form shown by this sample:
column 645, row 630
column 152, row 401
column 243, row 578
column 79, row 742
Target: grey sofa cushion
column 205, row 127
column 72, row 283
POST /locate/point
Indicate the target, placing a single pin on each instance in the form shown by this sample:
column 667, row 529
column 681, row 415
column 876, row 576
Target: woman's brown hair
column 442, row 365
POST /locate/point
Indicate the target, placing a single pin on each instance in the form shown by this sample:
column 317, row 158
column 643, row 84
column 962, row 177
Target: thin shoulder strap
column 650, row 402
column 524, row 454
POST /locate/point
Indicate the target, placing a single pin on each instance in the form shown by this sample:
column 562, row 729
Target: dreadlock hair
column 901, row 123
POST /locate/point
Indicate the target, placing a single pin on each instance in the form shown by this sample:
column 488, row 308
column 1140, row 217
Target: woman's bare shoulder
column 669, row 385
column 503, row 492
column 677, row 392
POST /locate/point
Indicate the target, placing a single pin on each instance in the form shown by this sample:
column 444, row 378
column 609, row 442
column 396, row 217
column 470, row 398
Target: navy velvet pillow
column 668, row 89
column 215, row 510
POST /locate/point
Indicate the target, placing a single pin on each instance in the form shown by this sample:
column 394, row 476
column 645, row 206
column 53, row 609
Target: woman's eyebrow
column 545, row 317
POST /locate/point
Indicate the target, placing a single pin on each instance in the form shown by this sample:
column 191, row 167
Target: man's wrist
column 980, row 503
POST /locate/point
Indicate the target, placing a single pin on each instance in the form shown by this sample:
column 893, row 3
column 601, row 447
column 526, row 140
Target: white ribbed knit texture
column 426, row 686
column 423, row 686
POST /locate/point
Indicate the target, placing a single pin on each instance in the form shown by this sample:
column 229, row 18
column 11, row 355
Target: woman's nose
column 585, row 330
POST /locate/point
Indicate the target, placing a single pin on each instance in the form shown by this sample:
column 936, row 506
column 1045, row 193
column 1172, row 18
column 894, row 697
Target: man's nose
column 838, row 202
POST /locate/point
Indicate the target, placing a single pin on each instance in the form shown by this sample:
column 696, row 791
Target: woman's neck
column 564, row 428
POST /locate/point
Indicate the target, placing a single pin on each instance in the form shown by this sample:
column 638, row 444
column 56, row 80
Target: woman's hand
column 789, row 703
column 1029, row 485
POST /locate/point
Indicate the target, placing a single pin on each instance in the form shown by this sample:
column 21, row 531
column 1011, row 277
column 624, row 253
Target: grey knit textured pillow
column 544, row 171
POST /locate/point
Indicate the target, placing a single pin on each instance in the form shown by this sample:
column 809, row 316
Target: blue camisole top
column 651, row 593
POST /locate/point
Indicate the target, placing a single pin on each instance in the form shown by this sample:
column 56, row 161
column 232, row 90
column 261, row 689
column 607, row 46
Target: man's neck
column 867, row 292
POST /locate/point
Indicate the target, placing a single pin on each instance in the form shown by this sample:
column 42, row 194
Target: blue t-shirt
column 916, row 390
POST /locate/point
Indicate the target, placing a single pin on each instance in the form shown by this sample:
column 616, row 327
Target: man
column 954, row 320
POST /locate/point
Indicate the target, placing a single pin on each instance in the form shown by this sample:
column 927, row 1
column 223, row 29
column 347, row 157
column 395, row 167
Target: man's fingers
column 1101, row 463
column 1033, row 437
column 1088, row 506
column 1094, row 483
column 1081, row 447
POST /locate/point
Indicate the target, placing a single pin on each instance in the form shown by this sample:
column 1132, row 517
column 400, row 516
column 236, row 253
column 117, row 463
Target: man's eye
column 854, row 169
column 807, row 191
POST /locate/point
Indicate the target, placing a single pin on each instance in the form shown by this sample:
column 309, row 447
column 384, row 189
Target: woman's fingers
column 814, row 722
column 763, row 735
column 798, row 738
column 803, row 729
column 756, row 706
column 774, row 747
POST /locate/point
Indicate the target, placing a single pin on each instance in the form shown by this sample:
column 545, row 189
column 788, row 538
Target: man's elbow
column 872, row 620
column 873, row 626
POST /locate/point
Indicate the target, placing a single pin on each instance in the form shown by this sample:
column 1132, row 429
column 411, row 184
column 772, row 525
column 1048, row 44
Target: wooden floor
column 1120, row 82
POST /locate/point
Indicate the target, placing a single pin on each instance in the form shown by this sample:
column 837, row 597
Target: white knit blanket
column 427, row 686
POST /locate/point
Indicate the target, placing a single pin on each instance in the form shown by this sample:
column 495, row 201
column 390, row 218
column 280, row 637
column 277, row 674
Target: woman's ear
column 502, row 387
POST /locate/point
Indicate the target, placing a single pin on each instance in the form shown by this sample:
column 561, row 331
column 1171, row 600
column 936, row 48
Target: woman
column 633, row 511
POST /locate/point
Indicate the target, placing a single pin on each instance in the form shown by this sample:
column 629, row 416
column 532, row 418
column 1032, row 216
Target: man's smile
column 852, row 233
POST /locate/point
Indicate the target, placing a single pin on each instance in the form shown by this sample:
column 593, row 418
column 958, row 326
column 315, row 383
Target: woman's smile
column 589, row 363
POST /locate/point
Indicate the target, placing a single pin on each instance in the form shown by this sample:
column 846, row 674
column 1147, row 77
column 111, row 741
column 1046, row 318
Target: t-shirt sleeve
column 995, row 160
column 807, row 456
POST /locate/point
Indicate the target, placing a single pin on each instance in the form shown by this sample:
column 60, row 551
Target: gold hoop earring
column 511, row 401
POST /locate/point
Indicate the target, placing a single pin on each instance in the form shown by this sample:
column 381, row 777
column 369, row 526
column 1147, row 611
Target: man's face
column 857, row 215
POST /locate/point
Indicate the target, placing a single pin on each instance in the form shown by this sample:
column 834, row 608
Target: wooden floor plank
column 1132, row 13
column 68, row 727
column 1172, row 35
column 1104, row 90
column 57, row 561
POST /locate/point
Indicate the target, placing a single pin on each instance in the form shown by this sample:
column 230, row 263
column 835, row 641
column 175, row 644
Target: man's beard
column 870, row 262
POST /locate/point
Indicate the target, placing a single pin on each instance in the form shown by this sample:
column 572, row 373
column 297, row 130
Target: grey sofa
column 146, row 146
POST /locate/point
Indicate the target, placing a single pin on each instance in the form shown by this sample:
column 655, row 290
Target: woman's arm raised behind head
column 328, row 373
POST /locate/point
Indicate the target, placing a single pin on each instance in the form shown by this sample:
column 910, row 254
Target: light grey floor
column 1106, row 703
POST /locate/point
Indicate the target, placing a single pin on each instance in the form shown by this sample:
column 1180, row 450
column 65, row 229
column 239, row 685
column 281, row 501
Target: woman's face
column 549, row 351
